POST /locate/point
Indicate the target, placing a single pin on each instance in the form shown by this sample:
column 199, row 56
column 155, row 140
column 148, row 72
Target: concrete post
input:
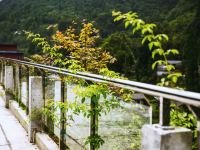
column 198, row 133
column 156, row 137
column 57, row 98
column 9, row 84
column 49, row 97
column 27, row 89
column 17, row 86
column 1, row 73
column 24, row 92
column 9, row 80
column 36, row 103
column 53, row 92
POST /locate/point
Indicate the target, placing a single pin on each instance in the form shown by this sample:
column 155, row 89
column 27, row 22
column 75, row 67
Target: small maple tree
column 75, row 50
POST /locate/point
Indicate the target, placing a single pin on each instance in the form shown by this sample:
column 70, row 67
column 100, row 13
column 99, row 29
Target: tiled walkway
column 12, row 134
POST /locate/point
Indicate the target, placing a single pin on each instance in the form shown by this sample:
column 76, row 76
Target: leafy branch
column 77, row 51
column 155, row 44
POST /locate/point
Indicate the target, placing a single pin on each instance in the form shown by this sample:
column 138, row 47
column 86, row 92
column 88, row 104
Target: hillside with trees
column 180, row 19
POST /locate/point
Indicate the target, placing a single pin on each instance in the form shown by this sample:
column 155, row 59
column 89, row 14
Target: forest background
column 180, row 19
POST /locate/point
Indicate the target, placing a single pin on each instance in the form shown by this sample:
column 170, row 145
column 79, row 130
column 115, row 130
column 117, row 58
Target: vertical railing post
column 4, row 81
column 20, row 84
column 198, row 133
column 35, row 106
column 49, row 97
column 57, row 98
column 15, row 82
column 150, row 115
column 45, row 125
column 93, row 121
column 17, row 86
column 62, row 144
column 196, row 112
column 43, row 88
column 27, row 89
column 164, row 116
column 1, row 71
column 3, row 74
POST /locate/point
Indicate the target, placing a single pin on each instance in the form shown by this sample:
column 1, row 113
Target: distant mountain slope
column 16, row 15
column 178, row 18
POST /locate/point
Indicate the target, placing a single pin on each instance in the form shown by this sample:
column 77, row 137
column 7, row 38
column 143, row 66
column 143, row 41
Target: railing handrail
column 186, row 97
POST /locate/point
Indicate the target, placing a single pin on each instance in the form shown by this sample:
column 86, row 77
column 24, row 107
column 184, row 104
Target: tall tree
column 192, row 53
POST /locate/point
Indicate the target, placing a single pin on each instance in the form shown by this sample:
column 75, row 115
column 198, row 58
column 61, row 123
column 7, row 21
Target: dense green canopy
column 180, row 19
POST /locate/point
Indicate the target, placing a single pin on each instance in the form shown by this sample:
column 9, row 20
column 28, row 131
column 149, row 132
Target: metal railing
column 164, row 94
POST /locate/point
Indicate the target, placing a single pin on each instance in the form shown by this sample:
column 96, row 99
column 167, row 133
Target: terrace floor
column 12, row 135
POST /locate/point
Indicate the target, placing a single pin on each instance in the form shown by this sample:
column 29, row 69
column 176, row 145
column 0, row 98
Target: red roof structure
column 10, row 51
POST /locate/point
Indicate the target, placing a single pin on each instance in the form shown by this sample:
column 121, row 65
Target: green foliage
column 36, row 115
column 138, row 122
column 79, row 46
column 77, row 51
column 177, row 18
column 120, row 45
column 180, row 116
column 155, row 44
column 95, row 140
column 98, row 94
column 53, row 109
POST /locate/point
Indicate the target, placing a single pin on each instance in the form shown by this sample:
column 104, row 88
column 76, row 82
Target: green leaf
column 154, row 65
column 160, row 37
column 157, row 51
column 83, row 100
column 177, row 74
column 166, row 37
column 150, row 30
column 118, row 18
column 154, row 44
column 170, row 67
column 150, row 45
column 173, row 51
column 116, row 13
column 144, row 39
column 158, row 62
column 157, row 44
column 174, row 79
column 147, row 37
column 174, row 76
column 152, row 25
column 135, row 29
column 144, row 31
column 127, row 23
